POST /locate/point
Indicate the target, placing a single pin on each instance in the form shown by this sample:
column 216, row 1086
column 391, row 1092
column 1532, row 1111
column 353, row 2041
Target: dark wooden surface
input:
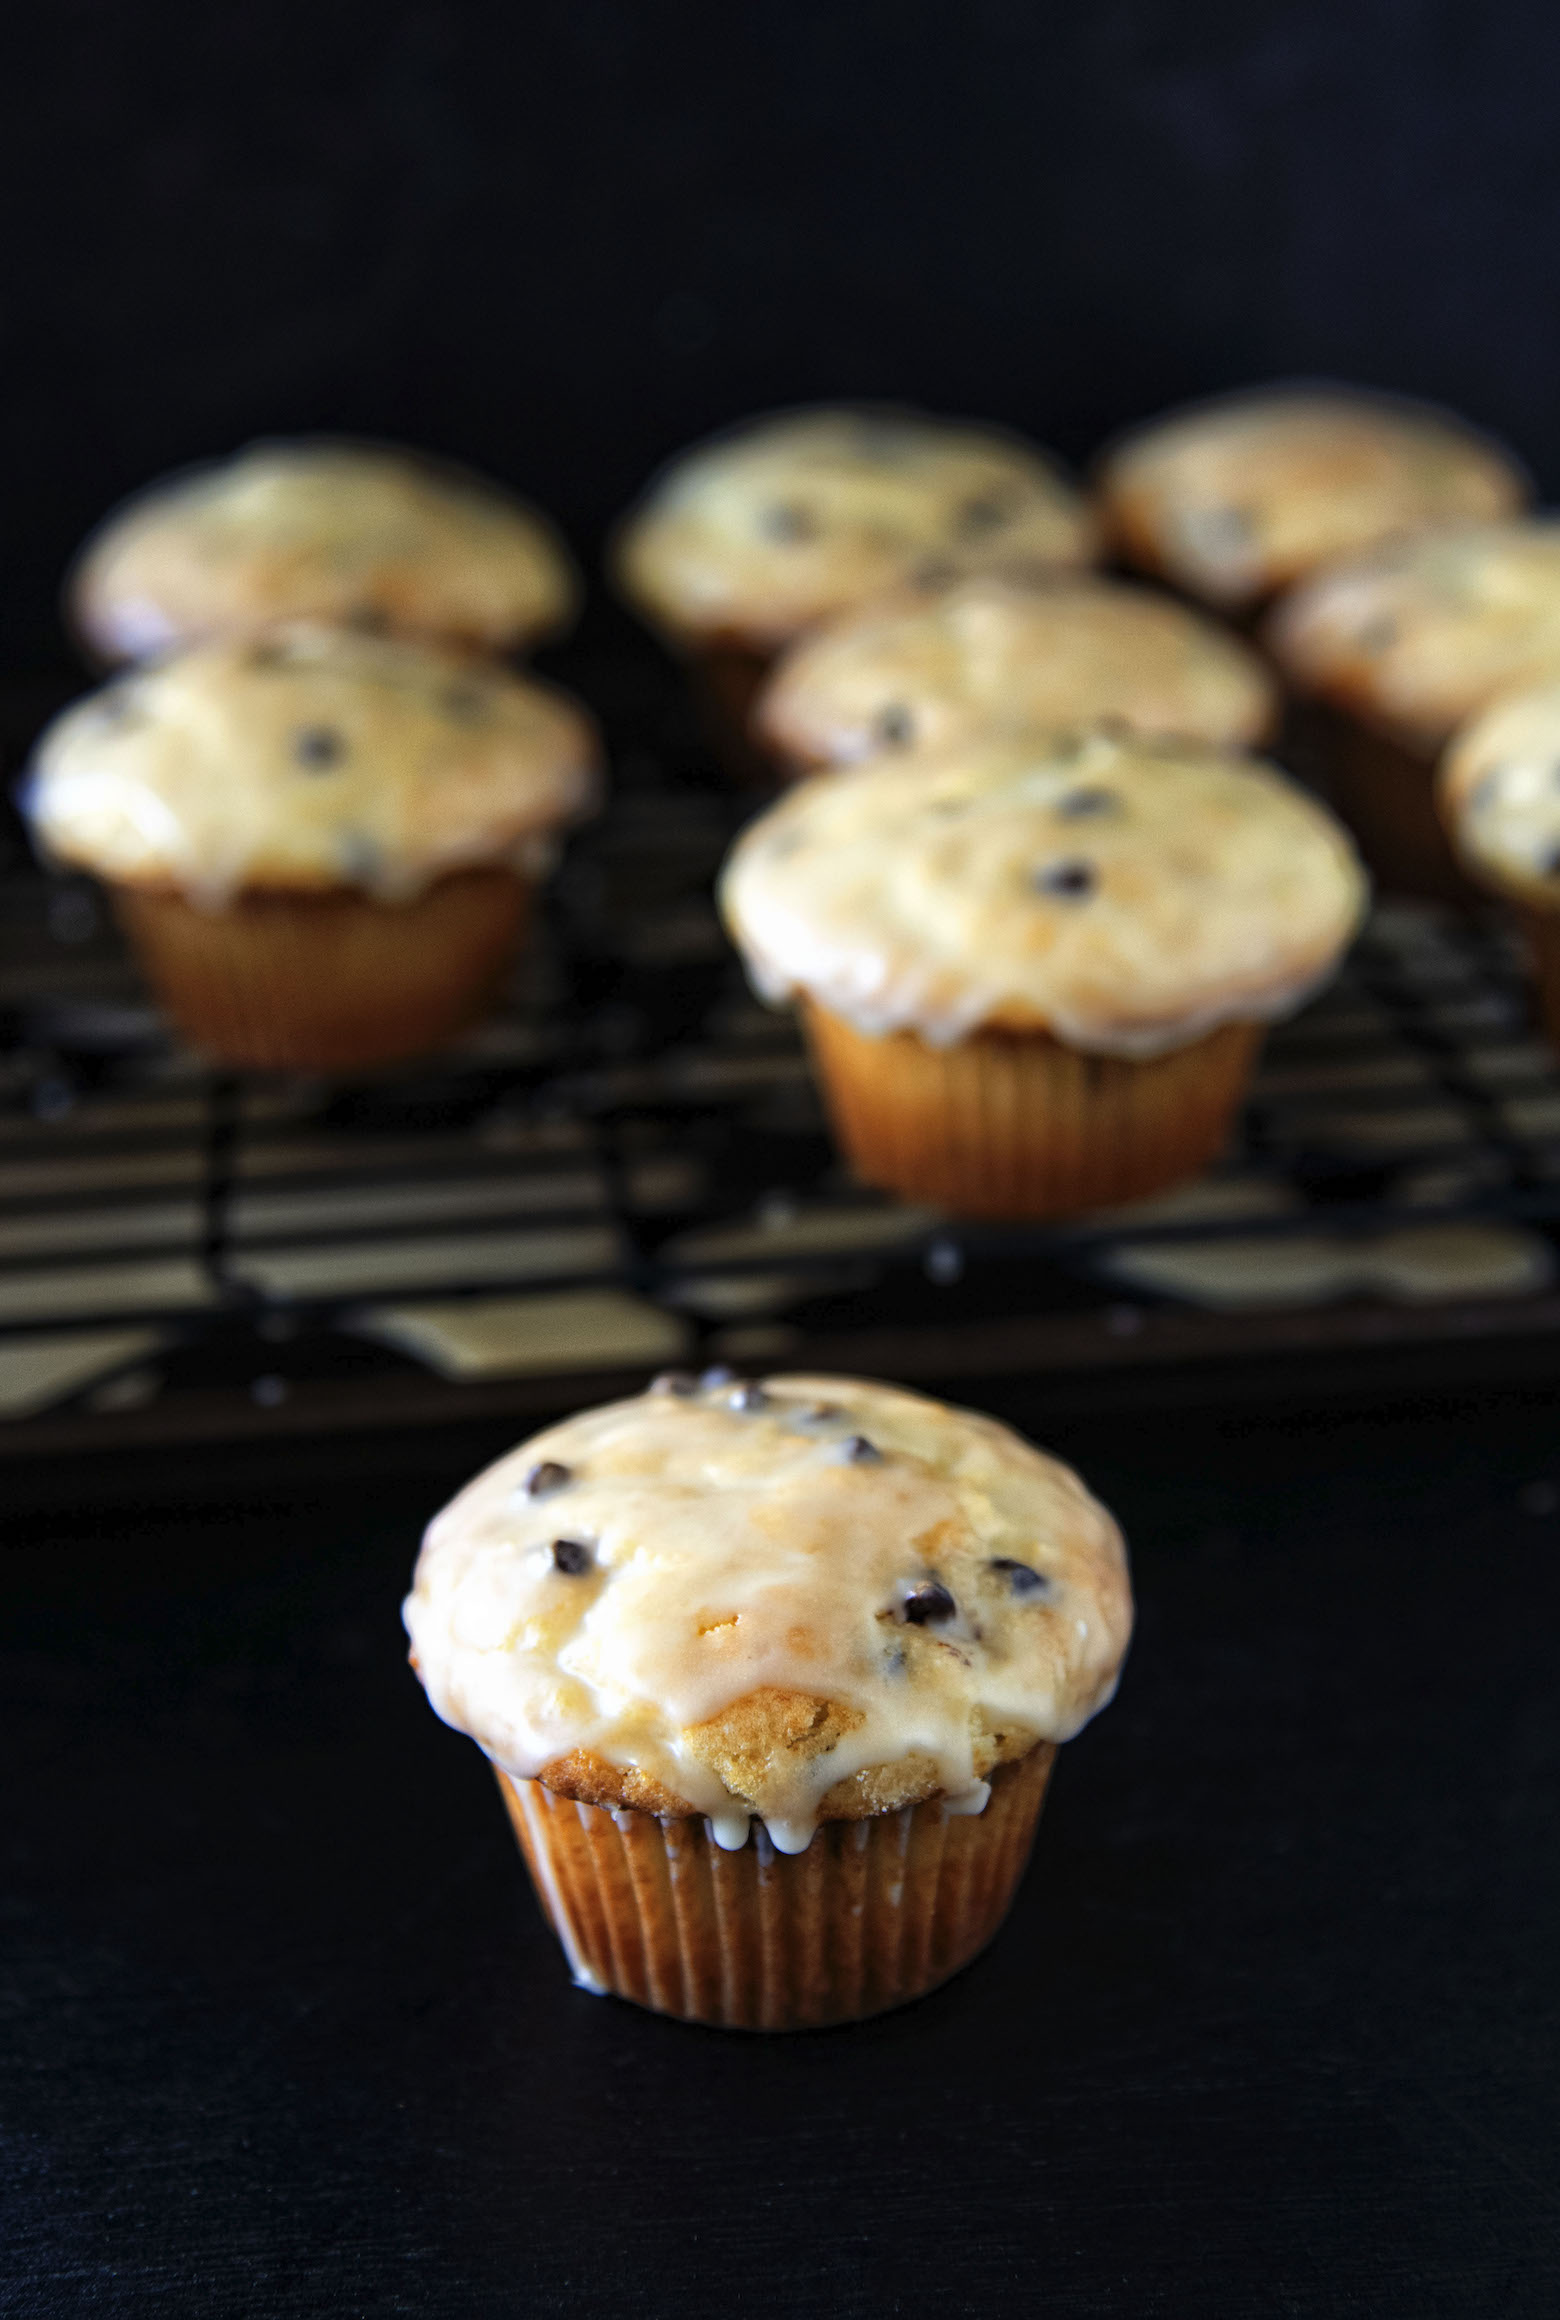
column 1273, row 2029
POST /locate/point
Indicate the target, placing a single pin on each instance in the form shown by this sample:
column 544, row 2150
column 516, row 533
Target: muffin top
column 358, row 535
column 1235, row 498
column 808, row 1599
column 1418, row 636
column 757, row 535
column 936, row 670
column 1500, row 795
column 1127, row 895
column 309, row 758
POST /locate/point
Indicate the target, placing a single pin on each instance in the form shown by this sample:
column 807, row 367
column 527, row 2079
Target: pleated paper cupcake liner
column 1009, row 1124
column 334, row 981
column 874, row 1913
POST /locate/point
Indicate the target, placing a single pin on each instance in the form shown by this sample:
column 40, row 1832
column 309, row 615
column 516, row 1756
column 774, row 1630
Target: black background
column 561, row 240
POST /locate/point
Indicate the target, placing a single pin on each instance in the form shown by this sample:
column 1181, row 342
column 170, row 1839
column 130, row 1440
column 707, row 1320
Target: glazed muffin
column 322, row 845
column 1398, row 649
column 937, row 670
column 1237, row 498
column 1034, row 974
column 354, row 535
column 772, row 1677
column 1500, row 796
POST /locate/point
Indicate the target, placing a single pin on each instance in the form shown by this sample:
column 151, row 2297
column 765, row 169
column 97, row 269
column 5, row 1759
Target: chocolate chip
column 1072, row 881
column 981, row 515
column 720, row 1373
column 318, row 745
column 819, row 1413
column 675, row 1381
column 1023, row 1578
column 930, row 1601
column 750, row 1397
column 571, row 1556
column 894, row 726
column 787, row 521
column 547, row 1475
column 858, row 1451
column 1078, row 804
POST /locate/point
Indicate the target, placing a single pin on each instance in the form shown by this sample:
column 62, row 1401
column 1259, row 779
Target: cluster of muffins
column 320, row 794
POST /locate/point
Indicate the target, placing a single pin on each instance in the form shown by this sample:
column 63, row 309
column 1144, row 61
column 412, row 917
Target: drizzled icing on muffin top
column 1500, row 794
column 356, row 534
column 757, row 535
column 1240, row 496
column 990, row 654
column 1419, row 636
column 1126, row 895
column 310, row 758
column 811, row 1598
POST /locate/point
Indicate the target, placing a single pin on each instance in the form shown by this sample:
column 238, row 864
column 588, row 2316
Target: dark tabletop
column 1273, row 2027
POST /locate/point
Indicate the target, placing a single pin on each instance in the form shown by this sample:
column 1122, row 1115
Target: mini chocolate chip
column 547, row 1475
column 719, row 1373
column 894, row 726
column 675, row 1381
column 858, row 1451
column 929, row 1601
column 1073, row 881
column 1078, row 804
column 1023, row 1578
column 571, row 1556
column 981, row 515
column 819, row 1413
column 318, row 745
column 787, row 521
column 465, row 703
column 750, row 1397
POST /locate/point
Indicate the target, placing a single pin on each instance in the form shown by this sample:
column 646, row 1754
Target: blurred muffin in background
column 745, row 542
column 322, row 845
column 356, row 535
column 773, row 1678
column 934, row 671
column 1034, row 973
column 1499, row 791
column 1237, row 498
column 1399, row 648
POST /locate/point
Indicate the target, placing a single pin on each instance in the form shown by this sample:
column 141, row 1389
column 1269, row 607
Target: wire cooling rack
column 627, row 1165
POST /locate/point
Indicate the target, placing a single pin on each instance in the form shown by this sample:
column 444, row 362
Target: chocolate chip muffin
column 772, row 1676
column 1034, row 972
column 357, row 535
column 747, row 541
column 1400, row 648
column 1234, row 499
column 323, row 845
column 1499, row 793
column 934, row 670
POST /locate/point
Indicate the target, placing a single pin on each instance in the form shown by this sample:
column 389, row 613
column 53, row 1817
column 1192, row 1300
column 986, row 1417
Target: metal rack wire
column 628, row 1161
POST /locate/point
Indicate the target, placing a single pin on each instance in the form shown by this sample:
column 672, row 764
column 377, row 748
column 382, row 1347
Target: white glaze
column 902, row 895
column 737, row 1549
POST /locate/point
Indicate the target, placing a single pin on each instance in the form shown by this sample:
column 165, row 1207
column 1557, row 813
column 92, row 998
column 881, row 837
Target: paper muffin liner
column 331, row 981
column 1017, row 1124
column 874, row 1913
column 1542, row 928
column 1386, row 794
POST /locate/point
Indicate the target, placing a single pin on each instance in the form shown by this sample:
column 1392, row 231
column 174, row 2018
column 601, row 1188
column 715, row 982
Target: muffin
column 1398, row 649
column 1500, row 796
column 322, row 845
column 747, row 541
column 772, row 1677
column 1237, row 498
column 355, row 535
column 936, row 671
column 1034, row 974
